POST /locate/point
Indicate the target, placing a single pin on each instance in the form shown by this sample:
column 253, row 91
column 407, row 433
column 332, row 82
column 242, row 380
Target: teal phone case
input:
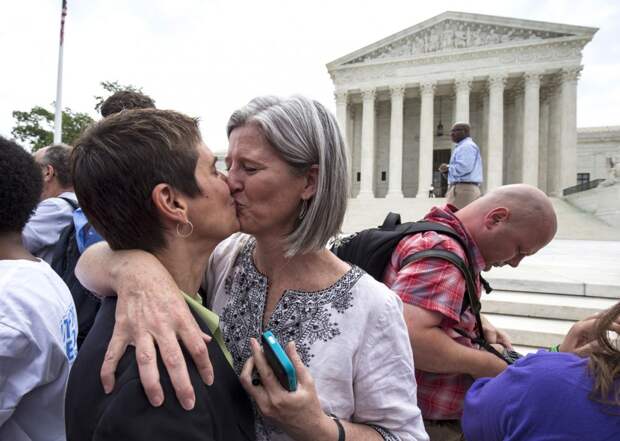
column 280, row 363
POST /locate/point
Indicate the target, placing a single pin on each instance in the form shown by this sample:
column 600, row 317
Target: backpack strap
column 71, row 202
column 455, row 260
column 474, row 302
column 391, row 221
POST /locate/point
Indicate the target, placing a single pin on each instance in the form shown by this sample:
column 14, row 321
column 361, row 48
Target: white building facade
column 515, row 82
column 598, row 150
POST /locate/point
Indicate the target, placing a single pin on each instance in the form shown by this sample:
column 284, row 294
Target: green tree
column 112, row 87
column 36, row 126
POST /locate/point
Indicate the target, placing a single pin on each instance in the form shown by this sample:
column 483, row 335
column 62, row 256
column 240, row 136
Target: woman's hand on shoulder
column 151, row 311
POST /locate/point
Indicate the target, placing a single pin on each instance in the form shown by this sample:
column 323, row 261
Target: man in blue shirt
column 465, row 168
column 54, row 212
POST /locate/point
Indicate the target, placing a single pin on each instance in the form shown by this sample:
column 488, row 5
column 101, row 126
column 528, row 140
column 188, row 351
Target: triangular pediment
column 458, row 31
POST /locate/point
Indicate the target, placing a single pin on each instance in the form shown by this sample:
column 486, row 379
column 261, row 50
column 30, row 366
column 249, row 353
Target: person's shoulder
column 60, row 201
column 375, row 296
column 31, row 282
column 548, row 362
column 230, row 246
column 469, row 142
column 426, row 241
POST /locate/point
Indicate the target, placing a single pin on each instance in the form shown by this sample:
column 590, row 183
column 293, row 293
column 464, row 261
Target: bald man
column 54, row 211
column 465, row 168
column 500, row 228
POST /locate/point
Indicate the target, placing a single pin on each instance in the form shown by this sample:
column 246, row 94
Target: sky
column 207, row 58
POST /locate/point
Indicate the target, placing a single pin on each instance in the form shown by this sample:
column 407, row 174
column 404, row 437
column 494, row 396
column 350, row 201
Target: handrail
column 582, row 187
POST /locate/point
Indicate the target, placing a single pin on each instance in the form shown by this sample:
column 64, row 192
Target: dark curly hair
column 21, row 181
column 125, row 100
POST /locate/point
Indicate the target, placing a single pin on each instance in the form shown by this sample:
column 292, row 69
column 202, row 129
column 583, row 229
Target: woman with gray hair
column 345, row 332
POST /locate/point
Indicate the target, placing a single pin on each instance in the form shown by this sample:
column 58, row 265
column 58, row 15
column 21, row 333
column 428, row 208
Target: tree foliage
column 36, row 126
column 112, row 87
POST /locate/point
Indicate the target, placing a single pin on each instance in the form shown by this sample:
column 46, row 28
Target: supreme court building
column 515, row 82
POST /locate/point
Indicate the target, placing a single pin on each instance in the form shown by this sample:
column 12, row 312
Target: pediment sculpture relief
column 454, row 34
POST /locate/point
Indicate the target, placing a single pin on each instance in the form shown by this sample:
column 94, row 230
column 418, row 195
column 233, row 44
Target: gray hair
column 59, row 157
column 304, row 133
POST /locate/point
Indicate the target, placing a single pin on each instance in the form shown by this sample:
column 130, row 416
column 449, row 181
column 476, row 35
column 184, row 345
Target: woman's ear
column 170, row 203
column 312, row 181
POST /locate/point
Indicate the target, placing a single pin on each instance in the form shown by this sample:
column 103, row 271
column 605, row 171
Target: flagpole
column 58, row 110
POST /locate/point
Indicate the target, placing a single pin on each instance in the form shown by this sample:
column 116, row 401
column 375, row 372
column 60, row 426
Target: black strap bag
column 64, row 260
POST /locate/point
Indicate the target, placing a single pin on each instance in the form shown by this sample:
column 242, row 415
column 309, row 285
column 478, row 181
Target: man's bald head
column 509, row 223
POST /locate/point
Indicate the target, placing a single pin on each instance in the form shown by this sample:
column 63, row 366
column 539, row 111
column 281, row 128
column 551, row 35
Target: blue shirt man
column 465, row 168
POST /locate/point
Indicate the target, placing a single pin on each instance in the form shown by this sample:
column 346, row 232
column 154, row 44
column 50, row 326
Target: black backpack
column 64, row 259
column 372, row 249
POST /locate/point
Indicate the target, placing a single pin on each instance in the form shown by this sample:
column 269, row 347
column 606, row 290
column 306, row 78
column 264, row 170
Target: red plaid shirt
column 437, row 285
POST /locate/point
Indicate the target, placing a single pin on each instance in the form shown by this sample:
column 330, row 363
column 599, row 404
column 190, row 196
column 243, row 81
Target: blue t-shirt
column 542, row 397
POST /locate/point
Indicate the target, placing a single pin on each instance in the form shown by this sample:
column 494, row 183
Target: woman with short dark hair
column 146, row 181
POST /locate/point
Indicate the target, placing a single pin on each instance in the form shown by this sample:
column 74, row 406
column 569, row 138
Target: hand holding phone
column 280, row 362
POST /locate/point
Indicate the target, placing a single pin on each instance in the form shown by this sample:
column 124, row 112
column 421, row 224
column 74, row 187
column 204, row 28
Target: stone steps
column 533, row 332
column 551, row 286
column 541, row 319
column 535, row 305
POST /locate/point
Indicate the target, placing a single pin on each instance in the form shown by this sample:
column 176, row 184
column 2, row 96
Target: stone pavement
column 579, row 267
column 566, row 281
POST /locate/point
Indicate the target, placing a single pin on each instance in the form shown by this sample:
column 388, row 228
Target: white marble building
column 598, row 148
column 515, row 81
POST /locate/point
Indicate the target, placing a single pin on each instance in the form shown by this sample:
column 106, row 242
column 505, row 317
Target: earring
column 304, row 209
column 182, row 226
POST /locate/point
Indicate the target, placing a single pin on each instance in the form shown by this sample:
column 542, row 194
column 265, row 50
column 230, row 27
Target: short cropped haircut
column 119, row 160
column 304, row 133
column 59, row 157
column 126, row 100
column 21, row 182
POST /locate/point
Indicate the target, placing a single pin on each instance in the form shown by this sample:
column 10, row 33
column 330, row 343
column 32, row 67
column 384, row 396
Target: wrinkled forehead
column 248, row 142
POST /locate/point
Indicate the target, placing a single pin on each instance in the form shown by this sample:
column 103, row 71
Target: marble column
column 531, row 117
column 495, row 142
column 543, row 140
column 554, row 135
column 368, row 144
column 484, row 137
column 515, row 164
column 425, row 166
column 395, row 174
column 568, row 127
column 342, row 117
column 462, row 87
